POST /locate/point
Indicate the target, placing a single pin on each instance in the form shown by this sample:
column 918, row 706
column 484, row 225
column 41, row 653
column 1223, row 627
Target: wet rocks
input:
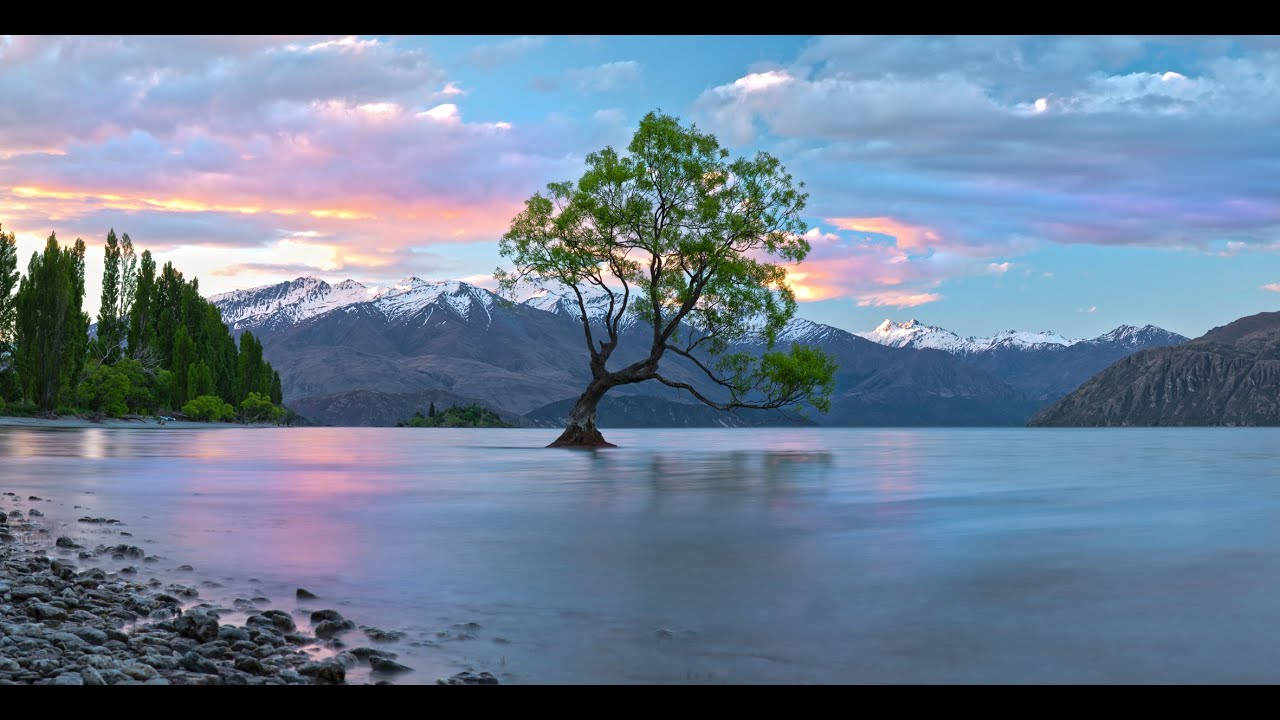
column 381, row 636
column 64, row 625
column 197, row 624
column 466, row 678
column 385, row 665
column 331, row 628
column 304, row 594
column 330, row 670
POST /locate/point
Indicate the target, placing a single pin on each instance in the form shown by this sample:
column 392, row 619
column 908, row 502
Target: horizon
column 403, row 282
column 1061, row 183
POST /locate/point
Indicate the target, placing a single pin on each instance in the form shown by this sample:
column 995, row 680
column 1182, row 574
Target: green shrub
column 257, row 407
column 104, row 390
column 209, row 408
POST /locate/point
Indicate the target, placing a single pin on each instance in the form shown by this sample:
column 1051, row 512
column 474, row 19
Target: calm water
column 864, row 555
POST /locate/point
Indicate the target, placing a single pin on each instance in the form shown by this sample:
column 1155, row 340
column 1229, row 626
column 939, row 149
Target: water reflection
column 745, row 555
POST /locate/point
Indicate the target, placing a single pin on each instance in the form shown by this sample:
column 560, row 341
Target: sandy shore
column 66, row 621
column 122, row 423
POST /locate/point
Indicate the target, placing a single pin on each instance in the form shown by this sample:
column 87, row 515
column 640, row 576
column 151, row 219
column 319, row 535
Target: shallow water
column 746, row 555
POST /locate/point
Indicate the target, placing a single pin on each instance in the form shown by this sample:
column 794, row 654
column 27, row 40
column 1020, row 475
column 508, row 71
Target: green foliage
column 9, row 386
column 199, row 379
column 468, row 416
column 141, row 331
column 105, row 390
column 109, row 335
column 51, row 329
column 8, row 284
column 118, row 389
column 208, row 408
column 257, row 407
column 688, row 241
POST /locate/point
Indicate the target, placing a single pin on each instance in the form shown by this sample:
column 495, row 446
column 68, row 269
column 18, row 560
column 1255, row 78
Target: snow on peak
column 801, row 331
column 306, row 297
column 413, row 294
column 1134, row 336
column 915, row 334
column 287, row 302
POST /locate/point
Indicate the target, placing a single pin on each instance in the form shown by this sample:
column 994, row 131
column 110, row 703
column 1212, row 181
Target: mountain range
column 1228, row 376
column 352, row 354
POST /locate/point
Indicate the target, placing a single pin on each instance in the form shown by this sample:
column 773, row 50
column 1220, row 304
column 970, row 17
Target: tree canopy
column 159, row 345
column 688, row 241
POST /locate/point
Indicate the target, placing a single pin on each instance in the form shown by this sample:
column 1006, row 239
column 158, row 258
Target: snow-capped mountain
column 288, row 303
column 272, row 307
column 915, row 334
column 349, row 353
column 414, row 294
column 1138, row 337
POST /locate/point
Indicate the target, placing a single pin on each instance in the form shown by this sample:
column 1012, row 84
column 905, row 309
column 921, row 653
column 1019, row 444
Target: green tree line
column 160, row 346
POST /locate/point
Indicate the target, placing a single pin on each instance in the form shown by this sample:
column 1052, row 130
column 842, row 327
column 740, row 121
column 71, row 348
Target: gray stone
column 329, row 670
column 198, row 664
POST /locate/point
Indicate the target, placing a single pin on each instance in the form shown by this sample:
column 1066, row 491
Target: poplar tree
column 108, row 319
column 8, row 314
column 50, row 325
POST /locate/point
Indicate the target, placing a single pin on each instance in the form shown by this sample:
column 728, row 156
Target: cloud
column 896, row 299
column 490, row 56
column 998, row 268
column 1109, row 141
column 1272, row 287
column 605, row 78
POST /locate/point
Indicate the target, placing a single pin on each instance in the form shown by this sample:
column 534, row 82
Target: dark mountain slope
column 1228, row 376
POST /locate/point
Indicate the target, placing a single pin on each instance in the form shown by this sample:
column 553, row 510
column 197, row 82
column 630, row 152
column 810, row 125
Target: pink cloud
column 896, row 299
column 908, row 237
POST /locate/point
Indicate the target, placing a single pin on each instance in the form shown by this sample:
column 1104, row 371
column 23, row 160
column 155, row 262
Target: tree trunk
column 581, row 431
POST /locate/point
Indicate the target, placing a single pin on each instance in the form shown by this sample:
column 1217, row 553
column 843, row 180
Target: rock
column 380, row 635
column 45, row 611
column 69, row 678
column 90, row 635
column 319, row 615
column 138, row 671
column 34, row 513
column 197, row 624
column 466, row 678
column 231, row 633
column 251, row 665
column 304, row 594
column 368, row 652
column 329, row 670
column 330, row 628
column 196, row 663
column 25, row 592
column 383, row 665
column 90, row 676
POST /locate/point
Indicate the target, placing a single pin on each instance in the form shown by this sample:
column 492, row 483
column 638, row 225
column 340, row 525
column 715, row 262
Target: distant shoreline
column 121, row 423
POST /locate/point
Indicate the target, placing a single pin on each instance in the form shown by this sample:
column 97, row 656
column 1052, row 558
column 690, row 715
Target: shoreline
column 66, row 621
column 122, row 423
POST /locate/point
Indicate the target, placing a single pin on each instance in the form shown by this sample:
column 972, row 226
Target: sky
column 979, row 184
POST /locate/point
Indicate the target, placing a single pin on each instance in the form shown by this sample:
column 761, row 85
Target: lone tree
column 681, row 237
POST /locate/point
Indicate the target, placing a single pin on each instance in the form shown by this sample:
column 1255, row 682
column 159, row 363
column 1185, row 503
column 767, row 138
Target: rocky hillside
column 1229, row 376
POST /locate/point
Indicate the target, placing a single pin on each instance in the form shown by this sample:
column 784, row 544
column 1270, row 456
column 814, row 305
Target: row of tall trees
column 159, row 344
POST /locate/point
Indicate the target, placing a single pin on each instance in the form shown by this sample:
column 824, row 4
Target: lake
column 705, row 555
